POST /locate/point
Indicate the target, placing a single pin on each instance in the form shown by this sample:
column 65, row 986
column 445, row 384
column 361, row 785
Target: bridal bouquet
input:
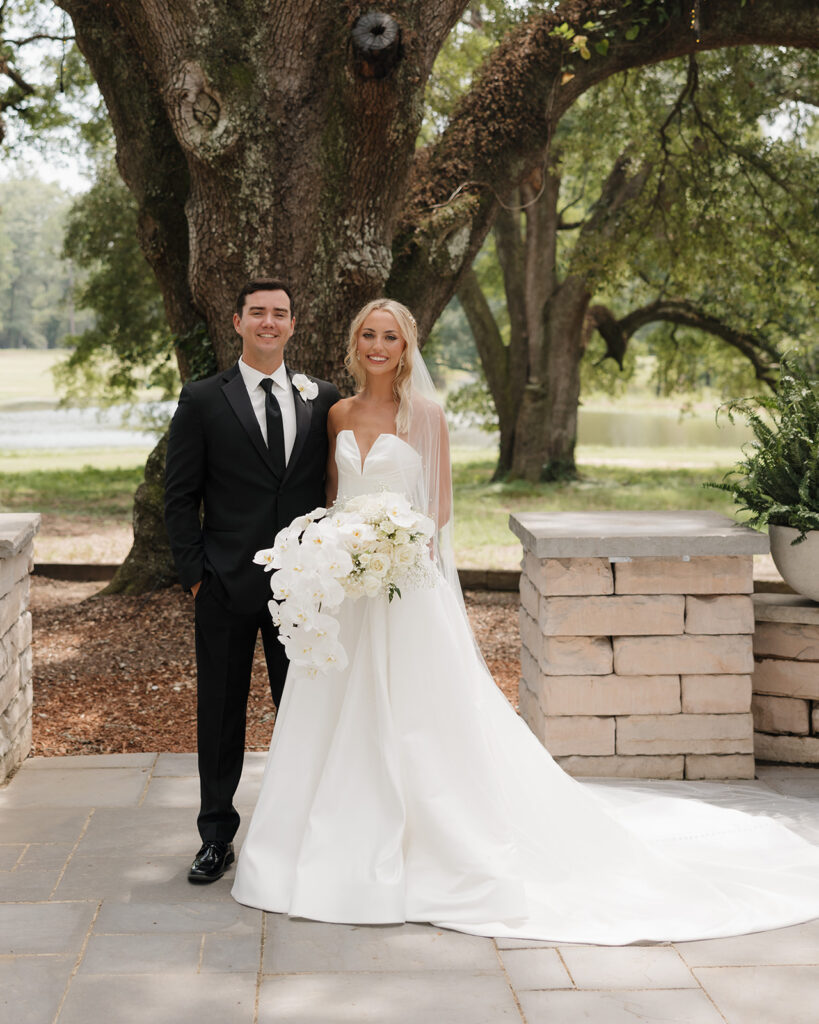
column 370, row 545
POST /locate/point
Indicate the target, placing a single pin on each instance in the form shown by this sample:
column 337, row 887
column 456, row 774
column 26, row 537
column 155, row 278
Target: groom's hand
column 196, row 587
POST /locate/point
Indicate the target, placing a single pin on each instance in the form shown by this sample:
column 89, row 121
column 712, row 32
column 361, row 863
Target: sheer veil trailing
column 429, row 436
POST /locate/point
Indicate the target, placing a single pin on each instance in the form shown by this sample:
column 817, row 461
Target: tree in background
column 664, row 199
column 280, row 138
column 128, row 347
column 36, row 306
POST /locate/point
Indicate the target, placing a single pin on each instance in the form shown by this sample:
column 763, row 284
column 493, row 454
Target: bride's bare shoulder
column 339, row 416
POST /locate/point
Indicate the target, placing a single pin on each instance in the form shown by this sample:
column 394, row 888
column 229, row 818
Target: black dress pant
column 225, row 643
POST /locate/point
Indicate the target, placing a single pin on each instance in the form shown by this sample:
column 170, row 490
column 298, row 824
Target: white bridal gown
column 406, row 788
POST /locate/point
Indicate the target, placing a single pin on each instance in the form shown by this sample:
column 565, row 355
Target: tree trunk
column 149, row 564
column 494, row 356
column 546, row 430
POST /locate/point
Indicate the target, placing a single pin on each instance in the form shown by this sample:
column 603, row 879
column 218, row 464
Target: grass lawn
column 87, row 491
column 25, row 374
column 19, row 464
column 482, row 536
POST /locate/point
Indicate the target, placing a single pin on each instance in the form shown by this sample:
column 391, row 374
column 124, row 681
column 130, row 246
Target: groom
column 250, row 445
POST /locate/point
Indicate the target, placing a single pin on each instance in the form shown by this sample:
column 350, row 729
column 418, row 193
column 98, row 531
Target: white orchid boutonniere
column 308, row 389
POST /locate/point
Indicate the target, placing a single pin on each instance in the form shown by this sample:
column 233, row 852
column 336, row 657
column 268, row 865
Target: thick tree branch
column 763, row 356
column 500, row 126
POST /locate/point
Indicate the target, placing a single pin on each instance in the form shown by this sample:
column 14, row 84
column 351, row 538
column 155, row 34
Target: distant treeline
column 36, row 281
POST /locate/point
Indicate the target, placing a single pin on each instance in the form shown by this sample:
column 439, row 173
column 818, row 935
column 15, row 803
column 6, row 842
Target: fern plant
column 777, row 480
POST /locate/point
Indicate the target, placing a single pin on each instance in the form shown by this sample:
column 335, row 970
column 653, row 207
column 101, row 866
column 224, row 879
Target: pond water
column 42, row 426
column 649, row 429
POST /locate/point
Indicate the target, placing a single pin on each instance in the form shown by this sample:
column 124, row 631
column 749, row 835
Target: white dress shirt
column 283, row 391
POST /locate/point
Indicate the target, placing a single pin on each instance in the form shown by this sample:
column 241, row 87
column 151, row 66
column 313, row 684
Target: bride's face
column 379, row 345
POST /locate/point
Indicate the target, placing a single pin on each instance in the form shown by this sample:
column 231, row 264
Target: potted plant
column 777, row 480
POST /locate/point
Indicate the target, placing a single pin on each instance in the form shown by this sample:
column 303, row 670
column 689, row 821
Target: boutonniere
column 308, row 389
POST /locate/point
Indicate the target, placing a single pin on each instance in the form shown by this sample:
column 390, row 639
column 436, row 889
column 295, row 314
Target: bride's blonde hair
column 401, row 382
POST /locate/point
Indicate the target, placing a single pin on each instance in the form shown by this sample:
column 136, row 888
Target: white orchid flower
column 307, row 389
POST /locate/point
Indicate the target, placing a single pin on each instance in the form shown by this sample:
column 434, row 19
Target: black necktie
column 275, row 430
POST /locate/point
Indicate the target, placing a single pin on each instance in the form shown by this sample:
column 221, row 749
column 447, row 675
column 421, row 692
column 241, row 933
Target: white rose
column 405, row 556
column 372, row 585
column 379, row 563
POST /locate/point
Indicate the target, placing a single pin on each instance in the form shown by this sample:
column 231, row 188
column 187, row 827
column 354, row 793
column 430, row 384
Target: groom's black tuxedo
column 217, row 460
column 217, row 457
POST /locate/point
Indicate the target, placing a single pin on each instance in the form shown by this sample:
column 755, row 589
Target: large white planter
column 798, row 564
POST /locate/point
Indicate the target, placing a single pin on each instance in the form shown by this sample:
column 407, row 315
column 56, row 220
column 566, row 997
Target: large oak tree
column 666, row 201
column 280, row 138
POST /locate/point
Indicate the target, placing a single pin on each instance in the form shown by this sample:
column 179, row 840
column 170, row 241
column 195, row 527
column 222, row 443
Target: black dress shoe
column 211, row 861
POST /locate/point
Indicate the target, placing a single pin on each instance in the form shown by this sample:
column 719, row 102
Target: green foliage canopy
column 128, row 347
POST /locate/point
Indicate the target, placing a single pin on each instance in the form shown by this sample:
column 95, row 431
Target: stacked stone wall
column 786, row 679
column 16, row 693
column 640, row 667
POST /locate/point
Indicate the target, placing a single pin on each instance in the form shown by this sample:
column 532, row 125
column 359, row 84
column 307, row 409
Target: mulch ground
column 117, row 674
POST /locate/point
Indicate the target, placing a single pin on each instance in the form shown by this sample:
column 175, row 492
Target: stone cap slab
column 792, row 608
column 634, row 534
column 16, row 530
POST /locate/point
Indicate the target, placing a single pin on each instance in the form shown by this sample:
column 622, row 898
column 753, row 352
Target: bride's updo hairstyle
column 401, row 383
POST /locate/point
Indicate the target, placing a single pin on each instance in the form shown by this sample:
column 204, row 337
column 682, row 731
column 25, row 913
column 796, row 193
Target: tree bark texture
column 256, row 141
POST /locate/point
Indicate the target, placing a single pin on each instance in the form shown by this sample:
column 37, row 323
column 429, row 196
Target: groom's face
column 265, row 327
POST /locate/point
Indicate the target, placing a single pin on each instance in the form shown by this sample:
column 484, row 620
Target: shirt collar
column 253, row 377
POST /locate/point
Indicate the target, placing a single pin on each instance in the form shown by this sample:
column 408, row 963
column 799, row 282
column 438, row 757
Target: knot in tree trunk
column 376, row 39
column 198, row 114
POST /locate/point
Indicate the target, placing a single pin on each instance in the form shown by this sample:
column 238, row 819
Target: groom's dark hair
column 263, row 284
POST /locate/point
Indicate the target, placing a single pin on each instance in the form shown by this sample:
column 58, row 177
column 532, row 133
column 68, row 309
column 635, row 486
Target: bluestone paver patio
column 98, row 925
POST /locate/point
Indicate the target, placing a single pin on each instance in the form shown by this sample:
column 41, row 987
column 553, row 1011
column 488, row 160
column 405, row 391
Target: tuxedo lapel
column 236, row 393
column 304, row 416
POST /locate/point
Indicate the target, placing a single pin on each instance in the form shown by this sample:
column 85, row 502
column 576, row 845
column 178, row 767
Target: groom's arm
column 184, row 486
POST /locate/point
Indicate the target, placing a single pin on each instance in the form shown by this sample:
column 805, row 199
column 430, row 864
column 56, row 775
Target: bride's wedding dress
column 405, row 788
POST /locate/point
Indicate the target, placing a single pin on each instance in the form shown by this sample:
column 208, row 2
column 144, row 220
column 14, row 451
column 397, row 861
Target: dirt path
column 117, row 674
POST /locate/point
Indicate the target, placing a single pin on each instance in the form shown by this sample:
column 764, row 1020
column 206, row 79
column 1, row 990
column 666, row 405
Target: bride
column 404, row 787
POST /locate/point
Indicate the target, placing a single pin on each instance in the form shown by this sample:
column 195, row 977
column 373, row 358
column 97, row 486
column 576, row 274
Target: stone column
column 16, row 561
column 636, row 632
column 786, row 679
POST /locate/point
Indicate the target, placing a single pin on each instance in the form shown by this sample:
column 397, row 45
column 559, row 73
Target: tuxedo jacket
column 217, row 459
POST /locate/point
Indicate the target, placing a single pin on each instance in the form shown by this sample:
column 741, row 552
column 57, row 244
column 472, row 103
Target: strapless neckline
column 363, row 461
